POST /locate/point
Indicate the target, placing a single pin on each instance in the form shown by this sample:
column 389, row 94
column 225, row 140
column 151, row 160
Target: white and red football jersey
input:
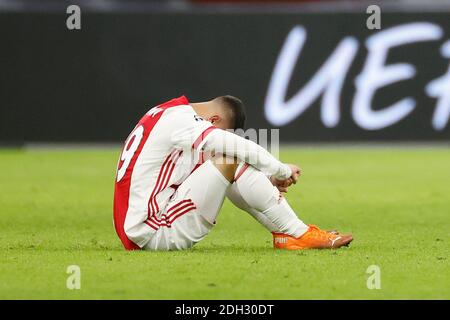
column 158, row 155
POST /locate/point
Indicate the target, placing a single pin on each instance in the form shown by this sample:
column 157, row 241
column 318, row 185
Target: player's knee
column 261, row 200
column 226, row 165
column 257, row 190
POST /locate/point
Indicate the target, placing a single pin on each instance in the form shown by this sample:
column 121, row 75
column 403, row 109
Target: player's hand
column 296, row 173
column 283, row 185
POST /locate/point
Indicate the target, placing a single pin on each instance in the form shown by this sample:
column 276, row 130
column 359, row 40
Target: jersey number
column 130, row 148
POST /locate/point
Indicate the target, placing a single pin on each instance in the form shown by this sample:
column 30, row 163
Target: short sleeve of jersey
column 190, row 129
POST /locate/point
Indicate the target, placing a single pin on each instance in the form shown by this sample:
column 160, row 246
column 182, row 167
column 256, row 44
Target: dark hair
column 237, row 109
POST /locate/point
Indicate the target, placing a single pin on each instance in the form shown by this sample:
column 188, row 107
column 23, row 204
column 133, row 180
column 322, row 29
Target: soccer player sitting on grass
column 178, row 165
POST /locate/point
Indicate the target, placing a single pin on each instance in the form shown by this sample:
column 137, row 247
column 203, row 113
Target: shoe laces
column 318, row 233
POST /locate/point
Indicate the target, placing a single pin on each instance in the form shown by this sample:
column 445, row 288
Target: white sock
column 253, row 192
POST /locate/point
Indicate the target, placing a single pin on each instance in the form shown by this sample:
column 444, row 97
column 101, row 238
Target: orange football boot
column 314, row 238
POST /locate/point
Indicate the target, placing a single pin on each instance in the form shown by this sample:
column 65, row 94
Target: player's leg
column 192, row 210
column 254, row 193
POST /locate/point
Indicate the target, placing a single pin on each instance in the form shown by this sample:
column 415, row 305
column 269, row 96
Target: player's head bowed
column 224, row 112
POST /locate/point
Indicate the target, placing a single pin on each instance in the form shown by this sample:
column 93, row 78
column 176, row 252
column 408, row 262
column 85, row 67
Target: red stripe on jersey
column 178, row 204
column 176, row 210
column 152, row 208
column 172, row 165
column 180, row 208
column 168, row 222
column 153, row 205
column 175, row 206
column 239, row 174
column 202, row 137
column 180, row 213
column 122, row 187
column 174, row 102
column 161, row 184
column 151, row 224
column 201, row 161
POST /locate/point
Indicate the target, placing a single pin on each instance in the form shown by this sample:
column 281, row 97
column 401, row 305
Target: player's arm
column 193, row 132
column 221, row 141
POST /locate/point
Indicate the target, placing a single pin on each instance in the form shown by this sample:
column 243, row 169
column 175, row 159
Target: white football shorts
column 192, row 210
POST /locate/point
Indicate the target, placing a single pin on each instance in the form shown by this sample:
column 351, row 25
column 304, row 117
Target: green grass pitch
column 56, row 211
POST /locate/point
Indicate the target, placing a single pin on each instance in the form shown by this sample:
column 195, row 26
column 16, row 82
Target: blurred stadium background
column 91, row 85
